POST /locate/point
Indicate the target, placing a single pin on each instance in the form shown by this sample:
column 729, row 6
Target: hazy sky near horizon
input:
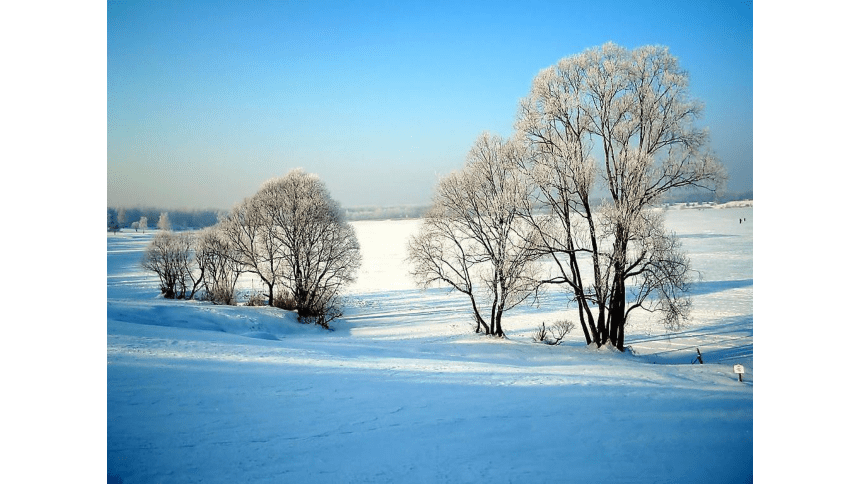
column 207, row 100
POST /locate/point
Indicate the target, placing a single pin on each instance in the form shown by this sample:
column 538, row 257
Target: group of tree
column 385, row 213
column 521, row 214
column 291, row 235
column 121, row 218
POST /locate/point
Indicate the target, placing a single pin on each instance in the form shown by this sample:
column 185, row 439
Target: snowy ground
column 403, row 391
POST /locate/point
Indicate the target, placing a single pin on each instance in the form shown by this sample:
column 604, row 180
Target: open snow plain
column 403, row 391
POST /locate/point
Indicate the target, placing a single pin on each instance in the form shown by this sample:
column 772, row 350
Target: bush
column 555, row 334
column 540, row 334
column 319, row 315
column 321, row 310
column 285, row 302
column 256, row 299
column 219, row 294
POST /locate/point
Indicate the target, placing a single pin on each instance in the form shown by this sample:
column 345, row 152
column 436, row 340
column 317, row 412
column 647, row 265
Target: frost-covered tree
column 142, row 224
column 164, row 221
column 251, row 234
column 169, row 255
column 473, row 238
column 621, row 121
column 120, row 217
column 219, row 263
column 319, row 248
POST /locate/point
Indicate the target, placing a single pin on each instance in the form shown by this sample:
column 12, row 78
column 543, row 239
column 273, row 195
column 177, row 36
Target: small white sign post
column 739, row 369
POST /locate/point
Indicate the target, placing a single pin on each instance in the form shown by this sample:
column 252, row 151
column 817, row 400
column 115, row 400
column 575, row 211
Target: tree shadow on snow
column 730, row 339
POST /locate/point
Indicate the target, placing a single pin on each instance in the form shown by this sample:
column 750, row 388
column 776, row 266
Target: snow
column 403, row 390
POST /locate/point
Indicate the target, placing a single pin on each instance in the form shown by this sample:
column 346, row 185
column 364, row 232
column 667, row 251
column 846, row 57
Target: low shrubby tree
column 160, row 258
column 169, row 255
column 219, row 264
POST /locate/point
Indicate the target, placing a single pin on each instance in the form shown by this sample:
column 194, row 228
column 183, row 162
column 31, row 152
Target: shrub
column 321, row 315
column 256, row 299
column 219, row 294
column 284, row 301
column 540, row 334
column 555, row 334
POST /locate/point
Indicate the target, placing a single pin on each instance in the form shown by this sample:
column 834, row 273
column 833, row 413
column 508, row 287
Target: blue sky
column 207, row 100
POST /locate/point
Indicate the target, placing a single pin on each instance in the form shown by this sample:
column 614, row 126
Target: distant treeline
column 384, row 213
column 198, row 219
column 703, row 196
column 179, row 219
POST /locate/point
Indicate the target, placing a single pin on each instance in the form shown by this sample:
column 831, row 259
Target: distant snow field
column 403, row 390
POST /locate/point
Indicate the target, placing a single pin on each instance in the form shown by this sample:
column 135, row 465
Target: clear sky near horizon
column 207, row 100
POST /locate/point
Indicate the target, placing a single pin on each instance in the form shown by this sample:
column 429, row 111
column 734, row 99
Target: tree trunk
column 498, row 319
column 478, row 317
column 616, row 310
column 493, row 320
column 602, row 333
column 618, row 297
column 582, row 323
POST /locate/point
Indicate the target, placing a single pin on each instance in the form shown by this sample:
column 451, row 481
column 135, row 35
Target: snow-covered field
column 403, row 391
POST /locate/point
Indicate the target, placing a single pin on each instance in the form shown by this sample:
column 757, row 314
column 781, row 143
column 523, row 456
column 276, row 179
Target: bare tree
column 219, row 263
column 623, row 118
column 191, row 279
column 473, row 238
column 320, row 250
column 291, row 234
column 251, row 233
column 158, row 258
column 168, row 255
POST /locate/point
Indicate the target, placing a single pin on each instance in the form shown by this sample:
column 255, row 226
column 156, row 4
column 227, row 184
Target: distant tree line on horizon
column 179, row 219
column 199, row 219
